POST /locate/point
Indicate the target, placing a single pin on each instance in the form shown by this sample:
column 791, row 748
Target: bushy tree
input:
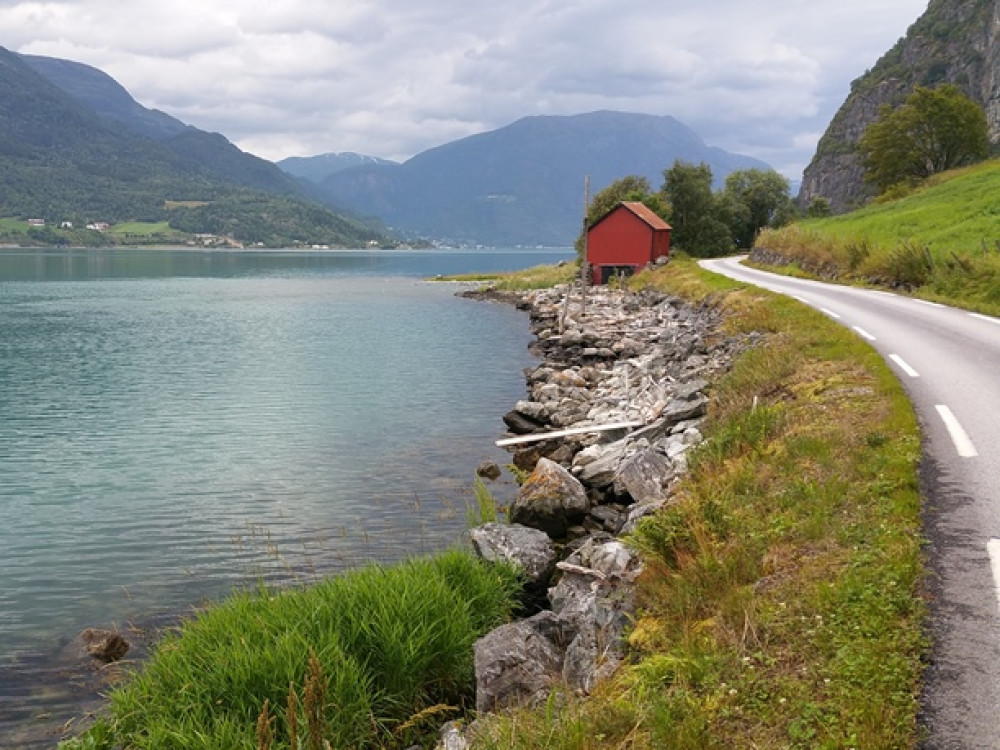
column 932, row 131
column 819, row 208
column 699, row 218
column 756, row 198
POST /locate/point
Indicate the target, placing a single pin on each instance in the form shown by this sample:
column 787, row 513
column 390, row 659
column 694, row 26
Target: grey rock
column 611, row 558
column 104, row 645
column 594, row 602
column 598, row 464
column 518, row 663
column 645, row 477
column 679, row 410
column 520, row 424
column 690, row 390
column 654, row 430
column 551, row 499
column 611, row 518
column 530, row 549
column 488, row 470
column 532, row 410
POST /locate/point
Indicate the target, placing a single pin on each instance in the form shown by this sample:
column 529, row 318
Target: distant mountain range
column 315, row 169
column 76, row 147
column 522, row 184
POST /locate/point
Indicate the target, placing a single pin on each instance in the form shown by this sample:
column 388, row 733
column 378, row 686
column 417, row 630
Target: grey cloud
column 393, row 77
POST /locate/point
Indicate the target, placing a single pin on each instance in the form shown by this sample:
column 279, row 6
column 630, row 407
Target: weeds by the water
column 370, row 649
column 485, row 508
column 780, row 598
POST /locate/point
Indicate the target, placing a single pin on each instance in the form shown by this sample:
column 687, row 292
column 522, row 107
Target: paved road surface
column 949, row 362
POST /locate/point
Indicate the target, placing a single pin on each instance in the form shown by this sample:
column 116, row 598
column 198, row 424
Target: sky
column 391, row 78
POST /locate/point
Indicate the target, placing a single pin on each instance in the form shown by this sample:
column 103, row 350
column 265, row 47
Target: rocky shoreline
column 619, row 357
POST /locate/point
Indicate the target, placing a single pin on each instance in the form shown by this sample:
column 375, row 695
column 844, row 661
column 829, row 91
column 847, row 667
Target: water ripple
column 163, row 439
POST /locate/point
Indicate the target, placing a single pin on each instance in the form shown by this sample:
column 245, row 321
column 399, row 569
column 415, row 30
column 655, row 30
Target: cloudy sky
column 391, row 78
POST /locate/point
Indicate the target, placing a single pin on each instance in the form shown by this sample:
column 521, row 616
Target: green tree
column 756, row 199
column 629, row 188
column 932, row 131
column 699, row 218
column 818, row 208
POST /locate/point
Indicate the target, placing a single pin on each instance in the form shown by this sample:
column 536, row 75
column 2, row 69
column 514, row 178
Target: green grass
column 142, row 228
column 538, row 277
column 941, row 241
column 780, row 602
column 370, row 659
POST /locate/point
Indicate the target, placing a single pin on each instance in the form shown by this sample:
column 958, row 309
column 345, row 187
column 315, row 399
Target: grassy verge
column 539, row 277
column 940, row 241
column 377, row 658
column 781, row 595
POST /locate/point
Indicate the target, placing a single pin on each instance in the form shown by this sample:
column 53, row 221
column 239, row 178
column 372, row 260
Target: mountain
column 522, row 184
column 100, row 93
column 315, row 169
column 954, row 41
column 83, row 150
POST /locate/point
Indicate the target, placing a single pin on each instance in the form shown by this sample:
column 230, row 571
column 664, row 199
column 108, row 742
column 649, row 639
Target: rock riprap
column 619, row 357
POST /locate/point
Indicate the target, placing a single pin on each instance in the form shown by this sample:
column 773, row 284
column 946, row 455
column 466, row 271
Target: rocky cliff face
column 955, row 41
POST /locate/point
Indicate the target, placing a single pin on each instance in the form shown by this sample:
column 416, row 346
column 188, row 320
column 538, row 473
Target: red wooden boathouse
column 624, row 240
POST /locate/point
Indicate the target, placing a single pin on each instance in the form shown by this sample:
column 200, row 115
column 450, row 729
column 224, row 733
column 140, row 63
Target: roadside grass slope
column 781, row 599
column 941, row 241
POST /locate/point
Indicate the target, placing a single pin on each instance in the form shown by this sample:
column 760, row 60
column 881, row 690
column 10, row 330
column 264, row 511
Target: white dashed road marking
column 831, row 313
column 864, row 333
column 900, row 362
column 959, row 437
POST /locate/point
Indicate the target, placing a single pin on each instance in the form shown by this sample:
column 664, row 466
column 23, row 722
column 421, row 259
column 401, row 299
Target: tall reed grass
column 357, row 659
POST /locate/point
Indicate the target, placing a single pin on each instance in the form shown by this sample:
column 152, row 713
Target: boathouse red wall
column 624, row 240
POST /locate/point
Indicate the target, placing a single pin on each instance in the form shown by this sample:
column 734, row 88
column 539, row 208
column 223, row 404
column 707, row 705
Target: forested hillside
column 64, row 162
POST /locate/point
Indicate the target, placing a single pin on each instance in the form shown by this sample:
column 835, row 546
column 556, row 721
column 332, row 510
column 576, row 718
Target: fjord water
column 174, row 423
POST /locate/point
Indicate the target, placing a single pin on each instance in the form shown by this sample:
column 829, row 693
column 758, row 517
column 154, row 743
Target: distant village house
column 36, row 222
column 627, row 238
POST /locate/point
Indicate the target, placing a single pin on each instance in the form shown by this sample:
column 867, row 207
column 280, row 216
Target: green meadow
column 940, row 241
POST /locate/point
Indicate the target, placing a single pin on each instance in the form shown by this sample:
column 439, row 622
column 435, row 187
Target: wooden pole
column 584, row 265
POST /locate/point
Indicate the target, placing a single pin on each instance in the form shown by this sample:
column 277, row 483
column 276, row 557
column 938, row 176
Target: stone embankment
column 621, row 357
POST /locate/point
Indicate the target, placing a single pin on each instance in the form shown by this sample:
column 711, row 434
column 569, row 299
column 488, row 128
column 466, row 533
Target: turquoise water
column 173, row 423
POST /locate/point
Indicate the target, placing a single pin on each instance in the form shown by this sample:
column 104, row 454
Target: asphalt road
column 949, row 363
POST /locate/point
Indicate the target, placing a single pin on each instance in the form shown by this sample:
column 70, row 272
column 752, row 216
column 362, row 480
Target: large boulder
column 518, row 664
column 645, row 477
column 551, row 499
column 597, row 465
column 594, row 603
column 530, row 549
